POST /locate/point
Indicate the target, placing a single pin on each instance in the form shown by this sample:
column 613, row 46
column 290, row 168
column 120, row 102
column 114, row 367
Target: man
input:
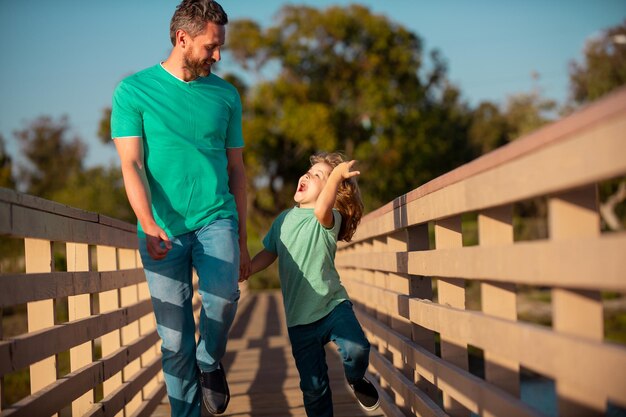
column 177, row 130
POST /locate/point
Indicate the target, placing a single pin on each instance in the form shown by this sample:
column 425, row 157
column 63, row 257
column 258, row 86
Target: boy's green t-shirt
column 306, row 264
column 186, row 128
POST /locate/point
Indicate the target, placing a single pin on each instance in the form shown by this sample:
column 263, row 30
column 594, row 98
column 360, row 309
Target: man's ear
column 182, row 38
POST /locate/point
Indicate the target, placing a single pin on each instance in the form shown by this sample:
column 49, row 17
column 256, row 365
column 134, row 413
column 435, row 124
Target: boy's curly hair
column 348, row 201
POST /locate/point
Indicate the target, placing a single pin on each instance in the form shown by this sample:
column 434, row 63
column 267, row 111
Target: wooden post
column 451, row 292
column 79, row 306
column 39, row 258
column 129, row 296
column 421, row 287
column 495, row 227
column 109, row 301
column 574, row 215
column 147, row 324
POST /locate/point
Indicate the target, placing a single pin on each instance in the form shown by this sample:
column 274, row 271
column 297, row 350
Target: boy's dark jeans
column 307, row 342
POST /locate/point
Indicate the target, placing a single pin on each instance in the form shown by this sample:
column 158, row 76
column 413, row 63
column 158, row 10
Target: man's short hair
column 193, row 15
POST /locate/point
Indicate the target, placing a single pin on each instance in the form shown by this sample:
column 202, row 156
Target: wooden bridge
column 440, row 278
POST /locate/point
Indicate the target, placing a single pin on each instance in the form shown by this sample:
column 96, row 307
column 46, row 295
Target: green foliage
column 603, row 68
column 97, row 189
column 344, row 79
column 525, row 113
column 489, row 128
column 54, row 170
column 615, row 327
column 493, row 126
column 52, row 158
column 6, row 167
column 104, row 127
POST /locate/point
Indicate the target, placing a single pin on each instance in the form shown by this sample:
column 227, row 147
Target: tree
column 603, row 68
column 345, row 79
column 489, row 128
column 51, row 158
column 6, row 167
column 97, row 189
column 104, row 126
column 54, row 170
column 493, row 126
column 526, row 112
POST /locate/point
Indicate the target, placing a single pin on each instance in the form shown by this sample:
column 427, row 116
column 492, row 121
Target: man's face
column 204, row 50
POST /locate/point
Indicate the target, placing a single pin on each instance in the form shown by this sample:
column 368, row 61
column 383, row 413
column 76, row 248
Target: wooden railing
column 412, row 278
column 108, row 333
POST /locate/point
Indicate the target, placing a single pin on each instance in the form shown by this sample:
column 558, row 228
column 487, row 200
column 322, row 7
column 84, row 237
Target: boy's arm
column 261, row 260
column 326, row 200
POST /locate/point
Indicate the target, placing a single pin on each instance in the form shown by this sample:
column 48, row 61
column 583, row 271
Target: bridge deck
column 261, row 372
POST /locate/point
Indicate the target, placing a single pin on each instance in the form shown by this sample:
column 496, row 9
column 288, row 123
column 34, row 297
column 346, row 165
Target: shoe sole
column 364, row 407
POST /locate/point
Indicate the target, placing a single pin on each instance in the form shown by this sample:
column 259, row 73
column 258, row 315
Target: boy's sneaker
column 215, row 393
column 365, row 394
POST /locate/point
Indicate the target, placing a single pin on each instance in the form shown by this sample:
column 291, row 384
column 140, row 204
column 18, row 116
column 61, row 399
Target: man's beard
column 196, row 67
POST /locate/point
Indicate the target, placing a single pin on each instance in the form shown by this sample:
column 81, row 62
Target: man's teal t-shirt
column 186, row 128
column 306, row 264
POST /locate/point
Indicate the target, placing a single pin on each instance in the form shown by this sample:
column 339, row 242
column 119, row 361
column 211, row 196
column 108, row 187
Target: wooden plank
column 28, row 222
column 418, row 403
column 5, row 218
column 601, row 258
column 40, row 204
column 24, row 215
column 73, row 385
column 39, row 258
column 474, row 393
column 22, row 288
column 573, row 215
column 540, row 349
column 128, row 297
column 147, row 324
column 533, row 346
column 114, row 403
column 109, row 301
column 31, row 347
column 151, row 401
column 79, row 306
column 495, row 227
column 451, row 292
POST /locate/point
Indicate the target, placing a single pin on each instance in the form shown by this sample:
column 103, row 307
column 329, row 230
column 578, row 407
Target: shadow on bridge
column 262, row 375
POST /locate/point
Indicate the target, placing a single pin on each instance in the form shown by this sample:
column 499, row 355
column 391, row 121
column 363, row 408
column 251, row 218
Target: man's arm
column 237, row 184
column 130, row 151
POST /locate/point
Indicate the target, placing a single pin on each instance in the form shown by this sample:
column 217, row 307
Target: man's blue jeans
column 307, row 344
column 214, row 253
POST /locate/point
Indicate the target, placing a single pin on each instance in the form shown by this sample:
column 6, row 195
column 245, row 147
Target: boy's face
column 311, row 184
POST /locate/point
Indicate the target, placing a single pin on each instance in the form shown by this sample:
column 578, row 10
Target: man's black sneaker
column 365, row 394
column 215, row 393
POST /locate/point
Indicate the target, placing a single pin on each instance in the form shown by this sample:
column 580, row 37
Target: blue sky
column 64, row 57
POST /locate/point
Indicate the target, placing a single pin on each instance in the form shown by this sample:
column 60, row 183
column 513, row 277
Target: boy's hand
column 343, row 169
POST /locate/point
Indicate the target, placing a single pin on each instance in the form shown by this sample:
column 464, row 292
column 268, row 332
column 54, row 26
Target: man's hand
column 157, row 243
column 244, row 263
